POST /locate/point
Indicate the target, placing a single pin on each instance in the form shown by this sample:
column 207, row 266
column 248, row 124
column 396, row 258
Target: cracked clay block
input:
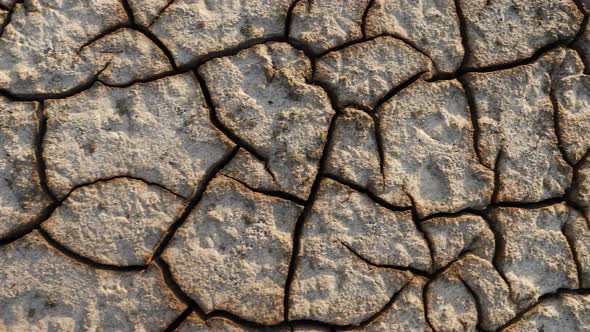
column 39, row 55
column 334, row 285
column 572, row 96
column 262, row 95
column 22, row 198
column 353, row 154
column 432, row 26
column 195, row 28
column 233, row 251
column 60, row 294
column 363, row 73
column 535, row 256
column 514, row 113
column 158, row 131
column 504, row 31
column 428, row 151
column 128, row 56
column 117, row 222
column 322, row 25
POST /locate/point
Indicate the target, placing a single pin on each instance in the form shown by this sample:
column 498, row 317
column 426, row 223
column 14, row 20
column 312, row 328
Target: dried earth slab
column 535, row 257
column 116, row 222
column 363, row 73
column 429, row 159
column 504, row 31
column 22, row 197
column 517, row 138
column 233, row 251
column 263, row 97
column 323, row 25
column 43, row 290
column 337, row 279
column 353, row 153
column 430, row 26
column 39, row 56
column 194, row 29
column 159, row 132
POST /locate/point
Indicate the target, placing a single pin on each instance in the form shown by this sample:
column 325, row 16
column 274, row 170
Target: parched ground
column 307, row 165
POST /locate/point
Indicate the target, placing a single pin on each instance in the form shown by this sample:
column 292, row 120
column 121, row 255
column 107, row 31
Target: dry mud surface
column 295, row 165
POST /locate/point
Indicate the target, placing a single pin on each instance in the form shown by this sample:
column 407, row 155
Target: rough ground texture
column 295, row 165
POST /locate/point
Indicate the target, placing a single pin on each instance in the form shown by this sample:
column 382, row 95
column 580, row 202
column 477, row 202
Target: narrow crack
column 298, row 231
column 214, row 119
column 554, row 295
column 464, row 36
column 175, row 324
column 160, row 12
column 573, row 251
column 271, row 193
column 38, row 146
column 84, row 260
column 385, row 266
column 381, row 202
column 199, row 192
column 289, row 19
column 349, row 43
column 364, row 18
column 557, row 127
column 128, row 11
column 474, row 115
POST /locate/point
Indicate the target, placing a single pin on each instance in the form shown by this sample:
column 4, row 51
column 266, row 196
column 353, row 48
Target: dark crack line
column 385, row 266
column 398, row 37
column 270, row 193
column 175, row 324
column 34, row 225
column 200, row 191
column 61, row 95
column 478, row 305
column 554, row 295
column 128, row 11
column 399, row 88
column 84, row 260
column 474, row 115
column 38, row 146
column 8, row 17
column 496, row 190
column 364, row 18
column 48, row 211
column 379, row 201
column 499, row 249
column 464, row 36
column 144, row 31
column 120, row 176
column 298, row 231
column 214, row 119
column 379, row 313
column 160, row 12
column 557, row 127
column 574, row 253
column 289, row 18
